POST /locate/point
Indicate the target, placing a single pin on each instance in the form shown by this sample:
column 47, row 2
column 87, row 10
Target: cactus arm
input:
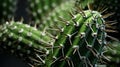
column 87, row 42
column 25, row 42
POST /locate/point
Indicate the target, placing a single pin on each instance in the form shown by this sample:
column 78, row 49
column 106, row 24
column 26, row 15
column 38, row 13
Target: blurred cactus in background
column 40, row 8
column 113, row 54
column 60, row 33
column 8, row 8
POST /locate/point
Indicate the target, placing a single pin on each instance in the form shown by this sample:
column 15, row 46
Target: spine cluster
column 80, row 42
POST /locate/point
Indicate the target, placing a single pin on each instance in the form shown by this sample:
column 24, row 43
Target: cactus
column 79, row 39
column 113, row 54
column 40, row 8
column 52, row 21
column 110, row 6
column 8, row 9
column 80, row 42
column 25, row 42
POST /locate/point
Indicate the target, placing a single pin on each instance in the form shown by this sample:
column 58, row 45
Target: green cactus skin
column 40, row 8
column 8, row 9
column 25, row 42
column 52, row 21
column 80, row 42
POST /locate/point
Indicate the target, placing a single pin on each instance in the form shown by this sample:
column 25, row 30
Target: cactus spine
column 52, row 21
column 24, row 41
column 80, row 42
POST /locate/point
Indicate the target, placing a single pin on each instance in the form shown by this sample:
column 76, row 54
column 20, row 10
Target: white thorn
column 62, row 29
column 29, row 34
column 45, row 7
column 39, row 11
column 40, row 58
column 76, row 47
column 11, row 34
column 61, row 45
column 7, row 22
column 21, row 30
column 20, row 39
column 83, row 34
column 94, row 34
column 19, row 23
column 27, row 26
column 47, row 52
column 14, row 27
column 68, row 35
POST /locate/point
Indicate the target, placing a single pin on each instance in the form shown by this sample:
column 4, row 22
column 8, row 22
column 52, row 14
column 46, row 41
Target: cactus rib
column 81, row 41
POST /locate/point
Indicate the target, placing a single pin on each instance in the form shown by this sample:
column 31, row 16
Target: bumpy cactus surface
column 80, row 42
column 8, row 9
column 40, row 8
column 24, row 41
column 52, row 20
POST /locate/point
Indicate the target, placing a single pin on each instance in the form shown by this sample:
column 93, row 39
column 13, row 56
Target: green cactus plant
column 80, row 42
column 25, row 41
column 52, row 21
column 110, row 6
column 40, row 8
column 8, row 9
column 81, row 39
column 113, row 54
